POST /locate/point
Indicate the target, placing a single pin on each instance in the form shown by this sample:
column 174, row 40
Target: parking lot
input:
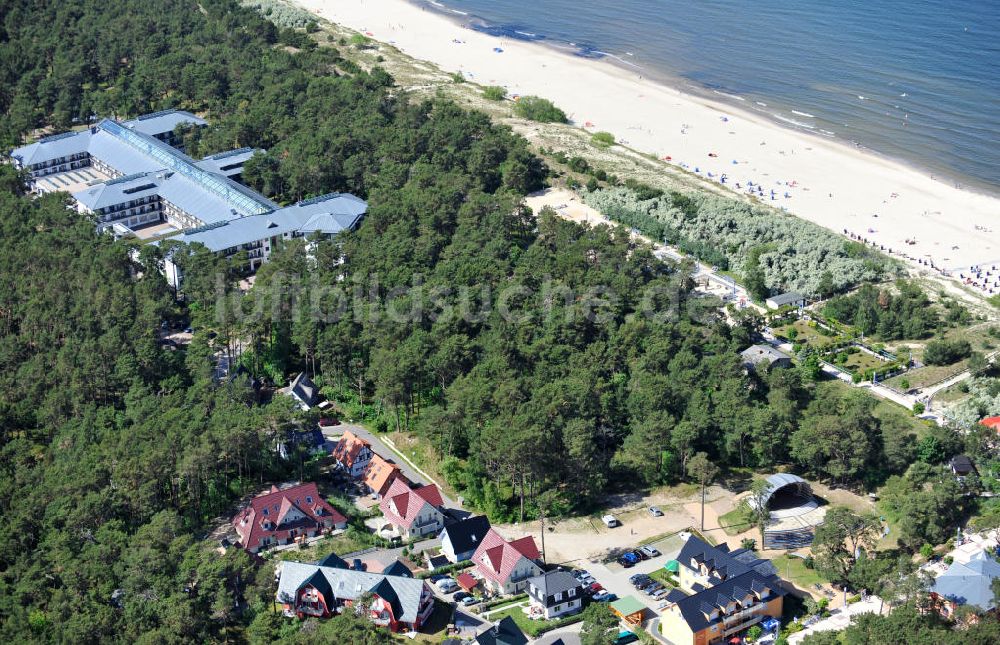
column 615, row 578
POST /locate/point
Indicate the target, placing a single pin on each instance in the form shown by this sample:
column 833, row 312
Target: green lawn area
column 529, row 626
column 339, row 544
column 950, row 395
column 737, row 521
column 807, row 335
column 433, row 631
column 794, row 570
column 927, row 375
column 664, row 577
column 421, row 453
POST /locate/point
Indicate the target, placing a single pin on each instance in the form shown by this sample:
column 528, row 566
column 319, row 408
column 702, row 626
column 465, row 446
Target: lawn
column 433, row 631
column 737, row 521
column 927, row 375
column 807, row 336
column 664, row 577
column 421, row 453
column 529, row 626
column 339, row 544
column 795, row 571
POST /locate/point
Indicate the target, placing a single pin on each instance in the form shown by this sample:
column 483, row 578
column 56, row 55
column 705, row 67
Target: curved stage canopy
column 781, row 480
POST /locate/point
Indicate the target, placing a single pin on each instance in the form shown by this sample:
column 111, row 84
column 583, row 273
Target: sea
column 914, row 80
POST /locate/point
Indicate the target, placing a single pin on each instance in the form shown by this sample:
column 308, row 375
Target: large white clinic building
column 134, row 179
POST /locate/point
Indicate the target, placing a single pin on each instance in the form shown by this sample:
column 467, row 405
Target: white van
column 610, row 521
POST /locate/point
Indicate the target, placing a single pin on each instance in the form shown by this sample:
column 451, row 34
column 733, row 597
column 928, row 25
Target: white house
column 556, row 593
column 459, row 540
column 506, row 566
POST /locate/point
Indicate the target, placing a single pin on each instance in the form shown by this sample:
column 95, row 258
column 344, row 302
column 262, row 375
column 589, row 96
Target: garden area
column 807, row 333
column 797, row 571
column 737, row 521
column 531, row 627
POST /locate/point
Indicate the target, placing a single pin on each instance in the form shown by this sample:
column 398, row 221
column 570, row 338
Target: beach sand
column 830, row 183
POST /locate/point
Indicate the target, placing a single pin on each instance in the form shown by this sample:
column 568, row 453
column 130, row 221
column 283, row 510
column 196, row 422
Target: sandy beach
column 822, row 180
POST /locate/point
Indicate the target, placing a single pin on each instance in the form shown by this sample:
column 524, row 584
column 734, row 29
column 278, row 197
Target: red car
column 594, row 588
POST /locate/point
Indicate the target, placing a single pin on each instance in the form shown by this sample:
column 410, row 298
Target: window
column 309, row 499
column 265, row 512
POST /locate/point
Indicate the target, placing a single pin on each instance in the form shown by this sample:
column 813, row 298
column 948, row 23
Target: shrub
column 457, row 78
column 918, row 408
column 495, row 93
column 602, row 139
column 927, row 551
column 945, row 352
column 360, row 41
column 535, row 108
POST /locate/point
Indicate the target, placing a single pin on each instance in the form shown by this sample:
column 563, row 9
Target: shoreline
column 824, row 181
column 713, row 95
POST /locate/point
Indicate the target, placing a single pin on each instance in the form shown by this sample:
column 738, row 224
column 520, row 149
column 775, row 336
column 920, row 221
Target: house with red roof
column 413, row 512
column 281, row 516
column 505, row 566
column 380, row 474
column 352, row 454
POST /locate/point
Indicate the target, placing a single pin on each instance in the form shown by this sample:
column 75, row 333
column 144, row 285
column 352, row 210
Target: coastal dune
column 831, row 183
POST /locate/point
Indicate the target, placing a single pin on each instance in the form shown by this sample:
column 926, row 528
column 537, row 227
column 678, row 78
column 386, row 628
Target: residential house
column 304, row 391
column 352, row 454
column 727, row 592
column 398, row 602
column 380, row 475
column 555, row 593
column 968, row 583
column 281, row 516
column 505, row 566
column 789, row 299
column 412, row 511
column 459, row 540
column 311, row 441
column 765, row 358
column 506, row 632
column 962, row 466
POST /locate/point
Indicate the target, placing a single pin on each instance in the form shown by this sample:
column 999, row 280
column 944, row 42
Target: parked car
column 605, row 596
column 639, row 554
column 610, row 521
column 625, row 637
column 447, row 585
column 650, row 551
column 325, row 422
column 627, row 560
column 437, row 577
column 639, row 577
column 467, row 599
column 594, row 588
column 655, row 512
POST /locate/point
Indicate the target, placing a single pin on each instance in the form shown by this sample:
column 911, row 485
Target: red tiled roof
column 380, row 473
column 273, row 508
column 401, row 504
column 496, row 558
column 991, row 422
column 348, row 448
column 466, row 581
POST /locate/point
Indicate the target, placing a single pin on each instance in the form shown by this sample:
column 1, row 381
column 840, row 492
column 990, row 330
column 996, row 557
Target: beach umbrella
column 672, row 566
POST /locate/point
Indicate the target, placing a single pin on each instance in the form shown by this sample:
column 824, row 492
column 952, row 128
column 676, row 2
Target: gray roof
column 330, row 215
column 346, row 584
column 465, row 535
column 227, row 163
column 778, row 481
column 969, row 584
column 303, row 387
column 69, row 143
column 53, row 147
column 763, row 353
column 163, row 121
column 119, row 190
column 506, row 632
column 786, row 298
column 553, row 582
column 737, row 577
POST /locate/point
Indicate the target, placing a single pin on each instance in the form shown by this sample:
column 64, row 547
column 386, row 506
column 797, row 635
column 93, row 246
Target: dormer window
column 265, row 512
column 309, row 499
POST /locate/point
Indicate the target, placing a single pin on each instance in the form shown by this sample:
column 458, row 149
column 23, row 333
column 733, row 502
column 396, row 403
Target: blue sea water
column 916, row 80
